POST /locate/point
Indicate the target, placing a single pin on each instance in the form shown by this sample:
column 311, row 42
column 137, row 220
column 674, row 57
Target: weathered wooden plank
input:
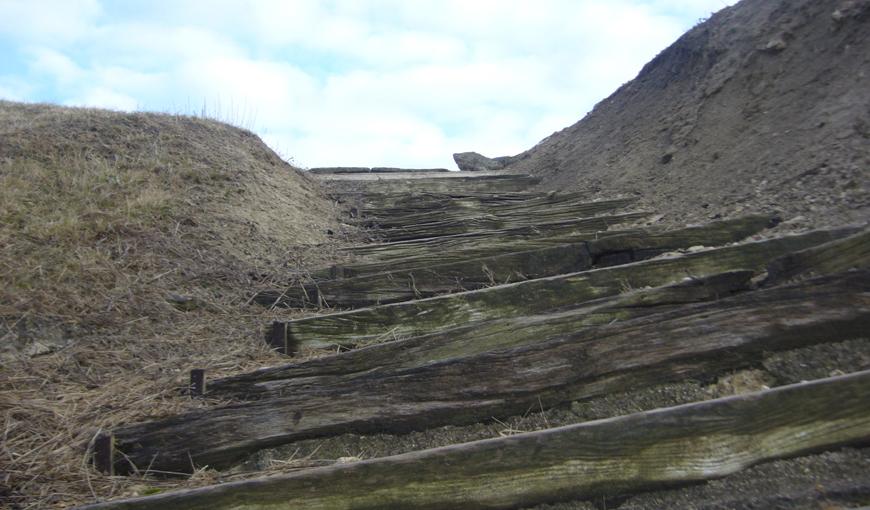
column 405, row 319
column 831, row 480
column 374, row 170
column 641, row 451
column 443, row 183
column 553, row 223
column 447, row 204
column 482, row 243
column 392, row 286
column 523, row 213
column 375, row 202
column 852, row 252
column 633, row 244
column 469, row 340
column 452, row 250
column 411, row 174
column 700, row 343
column 397, row 286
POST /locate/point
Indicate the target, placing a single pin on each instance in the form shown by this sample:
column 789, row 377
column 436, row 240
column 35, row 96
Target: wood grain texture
column 493, row 242
column 406, row 319
column 446, row 204
column 396, row 285
column 555, row 225
column 441, row 183
column 443, row 221
column 641, row 451
column 475, row 339
column 374, row 170
column 373, row 203
column 852, row 252
column 728, row 334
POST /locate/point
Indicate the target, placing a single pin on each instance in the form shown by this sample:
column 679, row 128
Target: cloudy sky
column 332, row 82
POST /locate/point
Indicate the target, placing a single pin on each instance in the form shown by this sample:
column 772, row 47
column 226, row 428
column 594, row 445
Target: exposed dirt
column 764, row 107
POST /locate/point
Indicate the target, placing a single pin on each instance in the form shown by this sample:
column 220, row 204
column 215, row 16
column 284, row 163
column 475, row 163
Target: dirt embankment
column 130, row 245
column 763, row 107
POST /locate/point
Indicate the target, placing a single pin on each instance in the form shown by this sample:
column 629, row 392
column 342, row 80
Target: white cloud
column 13, row 89
column 56, row 65
column 382, row 82
column 274, row 92
column 101, row 97
column 50, row 21
column 149, row 44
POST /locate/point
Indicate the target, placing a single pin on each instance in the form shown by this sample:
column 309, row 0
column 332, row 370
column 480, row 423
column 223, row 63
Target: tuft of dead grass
column 102, row 216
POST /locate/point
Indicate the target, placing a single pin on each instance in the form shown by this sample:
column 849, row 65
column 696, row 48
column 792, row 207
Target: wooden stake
column 197, row 382
column 104, row 453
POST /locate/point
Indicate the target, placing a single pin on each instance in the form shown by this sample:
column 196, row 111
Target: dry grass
column 102, row 216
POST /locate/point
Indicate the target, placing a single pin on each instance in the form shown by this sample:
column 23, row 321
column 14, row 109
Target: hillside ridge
column 763, row 107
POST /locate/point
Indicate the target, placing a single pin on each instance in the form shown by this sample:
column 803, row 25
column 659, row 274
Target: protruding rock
column 474, row 162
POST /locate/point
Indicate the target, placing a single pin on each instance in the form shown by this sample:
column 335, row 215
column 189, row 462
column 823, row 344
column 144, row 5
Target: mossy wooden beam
column 429, row 203
column 398, row 174
column 458, row 249
column 505, row 382
column 642, row 451
column 406, row 319
column 373, row 203
column 370, row 170
column 396, row 285
column 852, row 252
column 444, row 183
column 506, row 333
column 514, row 214
column 552, row 225
column 640, row 245
column 483, row 242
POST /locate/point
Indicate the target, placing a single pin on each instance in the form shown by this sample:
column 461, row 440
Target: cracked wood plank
column 411, row 318
column 615, row 456
column 699, row 342
column 392, row 286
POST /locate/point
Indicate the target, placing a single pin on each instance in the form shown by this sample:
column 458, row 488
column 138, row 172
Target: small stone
column 183, row 303
column 775, row 45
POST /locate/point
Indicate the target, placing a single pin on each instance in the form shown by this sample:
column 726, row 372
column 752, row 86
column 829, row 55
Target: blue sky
column 335, row 82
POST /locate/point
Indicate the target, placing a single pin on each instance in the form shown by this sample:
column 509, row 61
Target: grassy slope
column 103, row 216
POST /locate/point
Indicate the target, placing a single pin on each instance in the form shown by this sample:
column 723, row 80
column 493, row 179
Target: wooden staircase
column 486, row 303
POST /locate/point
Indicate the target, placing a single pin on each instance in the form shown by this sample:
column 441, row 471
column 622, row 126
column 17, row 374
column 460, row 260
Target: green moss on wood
column 641, row 451
column 402, row 320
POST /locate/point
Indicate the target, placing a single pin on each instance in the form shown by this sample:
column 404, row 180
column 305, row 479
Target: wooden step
column 391, row 286
column 406, row 319
column 375, row 203
column 453, row 250
column 655, row 449
column 401, row 174
column 438, row 224
column 484, row 203
column 492, row 242
column 478, row 338
column 527, row 211
column 328, row 170
column 705, row 339
column 446, row 182
column 852, row 252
